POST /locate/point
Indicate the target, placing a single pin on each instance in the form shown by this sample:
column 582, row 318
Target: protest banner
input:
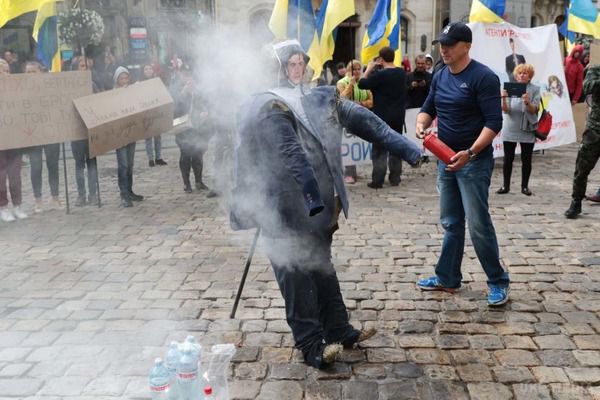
column 37, row 109
column 121, row 116
column 538, row 47
column 356, row 151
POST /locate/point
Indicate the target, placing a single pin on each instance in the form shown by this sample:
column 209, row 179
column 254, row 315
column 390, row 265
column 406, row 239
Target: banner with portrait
column 503, row 46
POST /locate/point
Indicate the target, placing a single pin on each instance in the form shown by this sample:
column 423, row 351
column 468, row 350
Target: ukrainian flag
column 584, row 18
column 331, row 14
column 295, row 19
column 487, row 10
column 383, row 30
column 46, row 35
column 11, row 9
column 569, row 36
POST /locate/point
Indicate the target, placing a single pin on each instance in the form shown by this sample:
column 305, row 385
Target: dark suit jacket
column 288, row 172
column 510, row 65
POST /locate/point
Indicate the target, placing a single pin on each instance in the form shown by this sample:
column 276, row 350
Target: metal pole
column 245, row 274
column 97, row 182
column 66, row 183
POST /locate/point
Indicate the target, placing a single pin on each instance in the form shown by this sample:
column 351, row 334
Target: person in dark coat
column 192, row 142
column 289, row 183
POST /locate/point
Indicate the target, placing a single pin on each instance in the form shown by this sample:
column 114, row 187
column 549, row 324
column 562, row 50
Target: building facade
column 140, row 30
column 422, row 20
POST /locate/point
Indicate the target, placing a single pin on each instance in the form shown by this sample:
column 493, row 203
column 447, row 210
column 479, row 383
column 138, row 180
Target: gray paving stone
column 323, row 390
column 64, row 386
column 399, row 389
column 489, row 391
column 19, row 387
column 508, row 374
column 360, row 390
column 530, row 391
column 281, row 390
column 557, row 358
column 244, row 390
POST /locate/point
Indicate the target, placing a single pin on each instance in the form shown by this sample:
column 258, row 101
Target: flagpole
column 66, row 184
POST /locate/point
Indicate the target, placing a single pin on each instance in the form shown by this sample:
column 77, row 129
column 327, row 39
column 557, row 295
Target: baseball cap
column 453, row 33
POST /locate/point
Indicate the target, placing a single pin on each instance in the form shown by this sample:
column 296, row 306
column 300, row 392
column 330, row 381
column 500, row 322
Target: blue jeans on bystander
column 464, row 194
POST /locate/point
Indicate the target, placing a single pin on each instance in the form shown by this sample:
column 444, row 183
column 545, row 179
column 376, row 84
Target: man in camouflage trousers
column 589, row 152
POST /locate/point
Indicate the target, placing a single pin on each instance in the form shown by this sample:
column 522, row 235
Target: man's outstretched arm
column 368, row 126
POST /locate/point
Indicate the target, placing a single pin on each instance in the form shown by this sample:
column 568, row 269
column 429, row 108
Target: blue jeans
column 125, row 156
column 153, row 155
column 81, row 155
column 464, row 194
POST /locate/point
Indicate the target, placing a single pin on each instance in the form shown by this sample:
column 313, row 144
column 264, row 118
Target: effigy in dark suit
column 289, row 183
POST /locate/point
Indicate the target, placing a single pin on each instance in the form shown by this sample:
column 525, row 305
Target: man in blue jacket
column 465, row 98
column 289, row 183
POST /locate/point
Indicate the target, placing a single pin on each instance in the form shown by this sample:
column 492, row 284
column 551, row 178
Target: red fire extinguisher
column 438, row 148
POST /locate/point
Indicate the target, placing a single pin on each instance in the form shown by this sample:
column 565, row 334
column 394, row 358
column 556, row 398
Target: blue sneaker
column 498, row 295
column 433, row 283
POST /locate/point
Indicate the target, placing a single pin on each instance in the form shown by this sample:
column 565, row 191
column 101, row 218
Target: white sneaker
column 6, row 215
column 20, row 214
column 55, row 203
column 39, row 206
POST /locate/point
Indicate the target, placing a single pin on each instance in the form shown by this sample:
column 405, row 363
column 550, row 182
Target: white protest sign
column 538, row 47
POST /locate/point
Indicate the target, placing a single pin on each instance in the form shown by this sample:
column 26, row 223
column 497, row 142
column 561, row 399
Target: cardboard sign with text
column 121, row 116
column 37, row 109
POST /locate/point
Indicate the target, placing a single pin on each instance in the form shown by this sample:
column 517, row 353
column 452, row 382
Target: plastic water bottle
column 159, row 381
column 187, row 374
column 171, row 362
column 196, row 347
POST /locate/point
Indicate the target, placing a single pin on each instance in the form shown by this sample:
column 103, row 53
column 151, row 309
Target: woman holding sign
column 125, row 154
column 520, row 120
column 36, row 153
column 10, row 168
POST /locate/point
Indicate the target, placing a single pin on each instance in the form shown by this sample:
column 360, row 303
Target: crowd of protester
column 106, row 75
column 380, row 86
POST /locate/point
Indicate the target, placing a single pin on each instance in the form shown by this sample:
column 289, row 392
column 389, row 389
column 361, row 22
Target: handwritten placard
column 37, row 109
column 121, row 116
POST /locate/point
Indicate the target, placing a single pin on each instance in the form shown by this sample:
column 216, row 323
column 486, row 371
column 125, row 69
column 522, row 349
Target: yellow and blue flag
column 569, row 36
column 584, row 18
column 295, row 19
column 331, row 14
column 11, row 9
column 383, row 31
column 46, row 35
column 487, row 11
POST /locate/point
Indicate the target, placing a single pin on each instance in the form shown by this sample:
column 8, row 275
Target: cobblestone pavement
column 89, row 299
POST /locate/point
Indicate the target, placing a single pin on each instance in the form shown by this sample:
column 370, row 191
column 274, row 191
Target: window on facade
column 404, row 35
column 173, row 3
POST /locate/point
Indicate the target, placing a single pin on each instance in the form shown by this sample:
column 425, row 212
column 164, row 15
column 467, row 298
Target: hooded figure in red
column 574, row 73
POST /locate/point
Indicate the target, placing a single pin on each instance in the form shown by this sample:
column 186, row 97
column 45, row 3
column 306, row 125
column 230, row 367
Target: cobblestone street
column 88, row 300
